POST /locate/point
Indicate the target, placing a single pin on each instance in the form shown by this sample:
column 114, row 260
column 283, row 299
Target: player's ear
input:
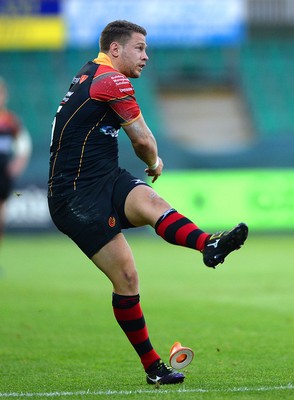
column 115, row 49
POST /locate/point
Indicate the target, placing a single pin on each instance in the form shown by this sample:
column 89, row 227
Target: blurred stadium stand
column 260, row 71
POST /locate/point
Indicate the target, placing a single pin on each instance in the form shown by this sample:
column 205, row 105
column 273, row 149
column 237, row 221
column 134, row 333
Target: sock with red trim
column 129, row 315
column 176, row 229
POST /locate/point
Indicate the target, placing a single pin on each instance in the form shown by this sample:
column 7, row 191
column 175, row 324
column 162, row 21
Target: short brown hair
column 119, row 31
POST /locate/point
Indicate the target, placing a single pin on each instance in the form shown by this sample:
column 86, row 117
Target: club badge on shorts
column 111, row 222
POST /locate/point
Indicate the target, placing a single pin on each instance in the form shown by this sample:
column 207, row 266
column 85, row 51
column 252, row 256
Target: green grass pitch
column 59, row 339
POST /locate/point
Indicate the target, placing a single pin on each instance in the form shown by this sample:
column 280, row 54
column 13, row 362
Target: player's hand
column 155, row 172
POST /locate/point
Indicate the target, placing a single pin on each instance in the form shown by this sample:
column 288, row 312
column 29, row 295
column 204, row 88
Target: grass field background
column 59, row 339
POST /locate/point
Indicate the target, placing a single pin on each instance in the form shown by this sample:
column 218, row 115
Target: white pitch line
column 290, row 386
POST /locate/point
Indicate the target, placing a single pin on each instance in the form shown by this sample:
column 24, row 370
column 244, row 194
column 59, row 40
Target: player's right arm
column 145, row 146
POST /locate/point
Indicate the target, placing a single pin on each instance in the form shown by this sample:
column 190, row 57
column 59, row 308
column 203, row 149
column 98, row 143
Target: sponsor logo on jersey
column 122, row 80
column 119, row 79
column 67, row 96
column 127, row 89
column 83, row 78
column 75, row 80
column 109, row 130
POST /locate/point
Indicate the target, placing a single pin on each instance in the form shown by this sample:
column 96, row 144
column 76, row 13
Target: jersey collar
column 103, row 59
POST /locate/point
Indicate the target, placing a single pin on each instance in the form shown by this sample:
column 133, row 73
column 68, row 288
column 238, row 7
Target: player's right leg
column 220, row 244
column 143, row 206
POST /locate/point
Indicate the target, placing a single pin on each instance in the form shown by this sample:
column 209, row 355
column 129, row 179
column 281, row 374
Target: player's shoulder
column 117, row 84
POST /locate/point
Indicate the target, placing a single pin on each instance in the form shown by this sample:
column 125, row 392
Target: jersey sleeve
column 115, row 89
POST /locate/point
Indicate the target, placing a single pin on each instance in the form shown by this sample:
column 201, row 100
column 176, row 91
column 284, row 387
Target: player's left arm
column 145, row 146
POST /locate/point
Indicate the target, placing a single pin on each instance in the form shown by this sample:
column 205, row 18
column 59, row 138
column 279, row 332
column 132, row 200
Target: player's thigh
column 144, row 206
column 116, row 261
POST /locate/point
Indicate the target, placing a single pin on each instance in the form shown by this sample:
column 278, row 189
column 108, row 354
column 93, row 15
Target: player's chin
column 137, row 73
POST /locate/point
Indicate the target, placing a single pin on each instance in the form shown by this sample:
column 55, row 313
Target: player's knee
column 126, row 275
column 130, row 278
column 126, row 283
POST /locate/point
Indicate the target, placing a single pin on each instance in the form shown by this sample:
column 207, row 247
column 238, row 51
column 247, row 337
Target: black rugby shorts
column 91, row 218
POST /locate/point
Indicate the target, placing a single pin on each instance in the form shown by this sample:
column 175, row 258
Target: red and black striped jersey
column 84, row 147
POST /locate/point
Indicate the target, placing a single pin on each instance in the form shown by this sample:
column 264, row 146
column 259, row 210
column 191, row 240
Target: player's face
column 133, row 56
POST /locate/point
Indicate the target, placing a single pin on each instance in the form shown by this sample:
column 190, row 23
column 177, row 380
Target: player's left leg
column 116, row 260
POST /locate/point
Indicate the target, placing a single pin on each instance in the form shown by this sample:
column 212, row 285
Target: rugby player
column 91, row 199
column 15, row 150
